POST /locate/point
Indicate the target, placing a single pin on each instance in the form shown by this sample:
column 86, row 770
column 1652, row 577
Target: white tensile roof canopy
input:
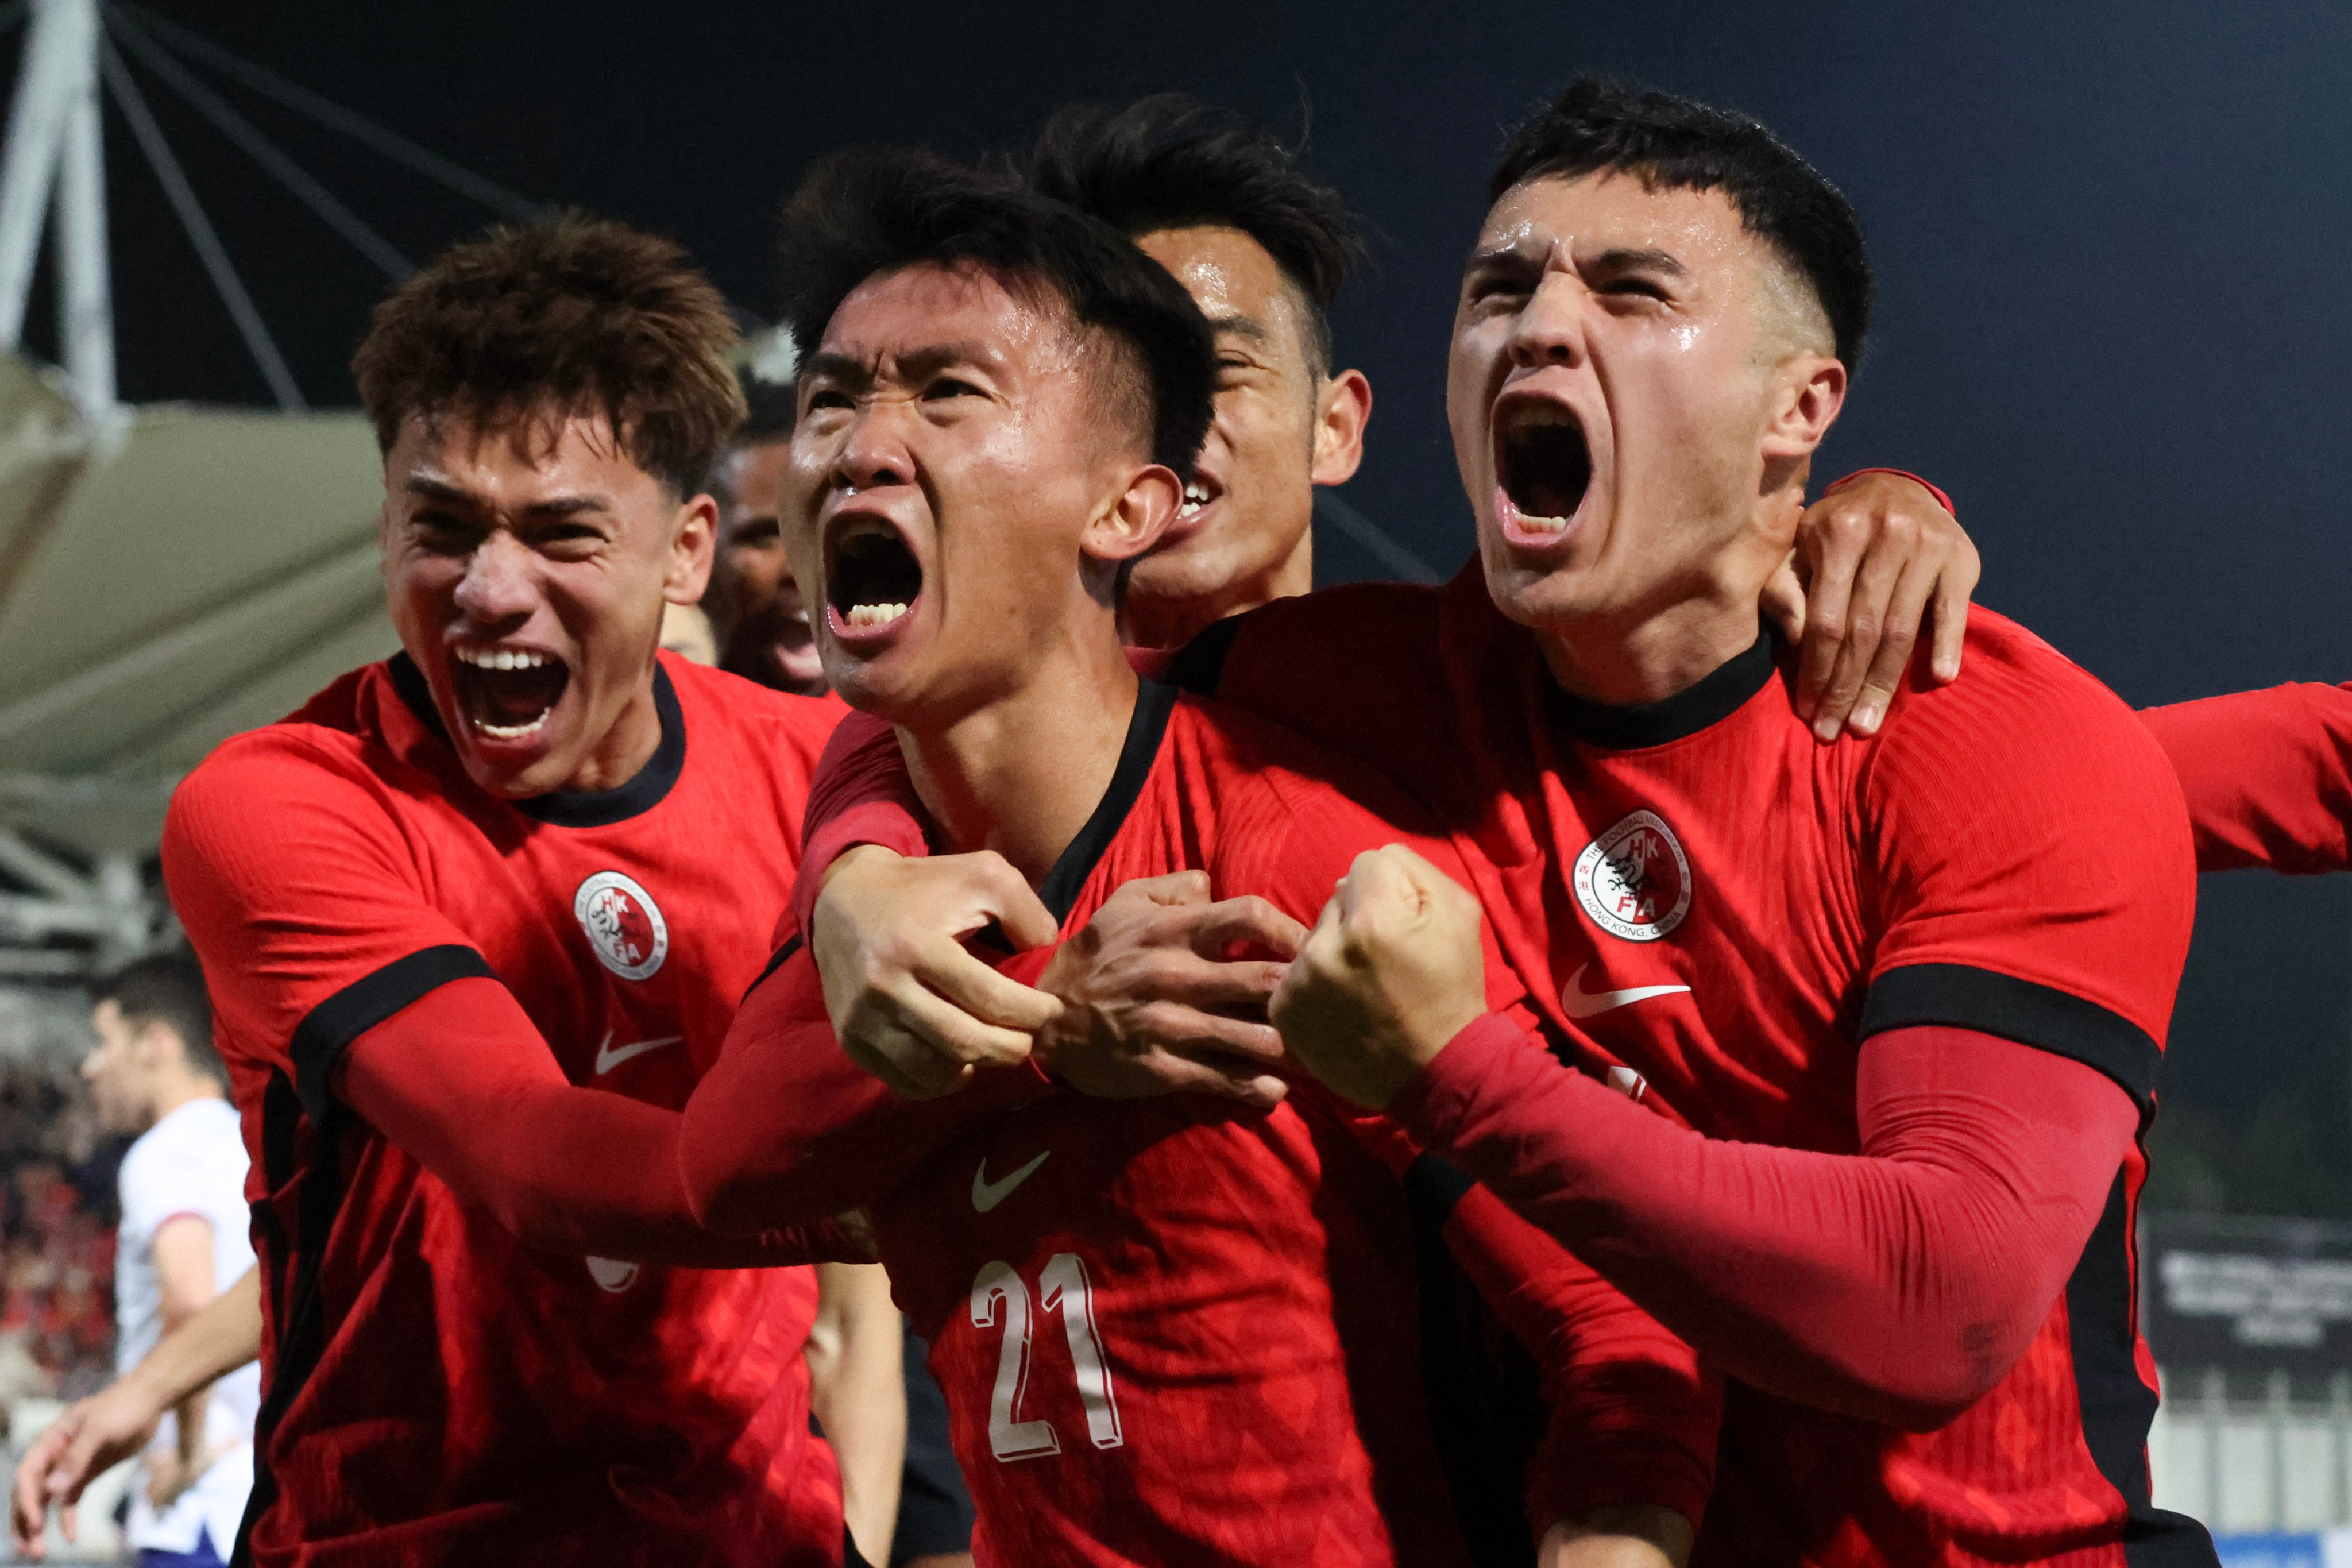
column 186, row 575
column 172, row 574
column 169, row 575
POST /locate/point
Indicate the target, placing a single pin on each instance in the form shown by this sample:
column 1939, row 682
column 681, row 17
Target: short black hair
column 1171, row 160
column 860, row 212
column 166, row 988
column 1670, row 143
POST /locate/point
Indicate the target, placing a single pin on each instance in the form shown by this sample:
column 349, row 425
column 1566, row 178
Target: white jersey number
column 1061, row 1287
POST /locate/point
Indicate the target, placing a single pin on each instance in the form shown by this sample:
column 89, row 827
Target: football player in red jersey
column 1264, row 249
column 1171, row 1329
column 1899, row 1007
column 1380, row 645
column 475, row 918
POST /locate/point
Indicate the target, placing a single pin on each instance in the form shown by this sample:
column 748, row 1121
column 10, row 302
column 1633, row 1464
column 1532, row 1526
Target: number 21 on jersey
column 1061, row 1288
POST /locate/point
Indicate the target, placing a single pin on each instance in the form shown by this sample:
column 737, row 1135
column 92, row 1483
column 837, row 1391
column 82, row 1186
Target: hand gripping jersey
column 1169, row 1331
column 442, row 1393
column 1715, row 912
column 1728, row 910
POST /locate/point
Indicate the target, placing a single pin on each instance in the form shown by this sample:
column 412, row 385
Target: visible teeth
column 873, row 614
column 1526, row 416
column 499, row 659
column 1543, row 525
column 512, row 732
column 1196, row 496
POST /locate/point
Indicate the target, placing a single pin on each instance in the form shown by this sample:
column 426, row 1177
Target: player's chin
column 1541, row 594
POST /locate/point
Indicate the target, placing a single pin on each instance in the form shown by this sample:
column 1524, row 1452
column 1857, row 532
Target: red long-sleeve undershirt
column 787, row 1127
column 462, row 1080
column 1899, row 1284
column 2267, row 774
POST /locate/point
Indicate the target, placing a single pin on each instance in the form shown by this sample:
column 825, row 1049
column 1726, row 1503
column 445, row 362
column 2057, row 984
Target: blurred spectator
column 755, row 606
column 57, row 1240
column 182, row 1241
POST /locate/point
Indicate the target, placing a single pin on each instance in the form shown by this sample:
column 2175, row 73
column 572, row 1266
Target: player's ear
column 693, row 545
column 1137, row 516
column 1342, row 409
column 1808, row 390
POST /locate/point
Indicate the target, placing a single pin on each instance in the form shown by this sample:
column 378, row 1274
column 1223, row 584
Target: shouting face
column 770, row 638
column 527, row 571
column 956, row 493
column 1632, row 370
column 1280, row 429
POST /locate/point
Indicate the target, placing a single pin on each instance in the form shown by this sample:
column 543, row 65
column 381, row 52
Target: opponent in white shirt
column 183, row 1241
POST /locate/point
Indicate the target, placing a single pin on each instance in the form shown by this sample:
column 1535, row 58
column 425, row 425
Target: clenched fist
column 1391, row 972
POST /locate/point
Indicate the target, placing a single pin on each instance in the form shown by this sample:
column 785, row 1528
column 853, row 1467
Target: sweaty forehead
column 917, row 318
column 1231, row 278
column 1615, row 212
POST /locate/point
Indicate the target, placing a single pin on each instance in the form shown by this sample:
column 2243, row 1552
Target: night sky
column 2112, row 243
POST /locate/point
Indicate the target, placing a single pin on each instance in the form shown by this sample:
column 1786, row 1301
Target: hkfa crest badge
column 1635, row 879
column 623, row 924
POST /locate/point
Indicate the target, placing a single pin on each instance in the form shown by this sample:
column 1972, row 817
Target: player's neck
column 1170, row 623
column 1022, row 774
column 1650, row 652
column 172, row 1090
column 623, row 749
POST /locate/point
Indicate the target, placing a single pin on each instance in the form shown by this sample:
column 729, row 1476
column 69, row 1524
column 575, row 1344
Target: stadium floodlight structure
column 169, row 574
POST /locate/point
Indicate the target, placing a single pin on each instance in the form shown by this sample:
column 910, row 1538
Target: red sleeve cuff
column 882, row 822
column 1432, row 1106
column 1928, row 485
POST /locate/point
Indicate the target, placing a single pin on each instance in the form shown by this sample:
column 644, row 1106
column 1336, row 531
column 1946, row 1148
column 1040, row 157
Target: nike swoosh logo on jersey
column 608, row 1057
column 1578, row 1002
column 986, row 1194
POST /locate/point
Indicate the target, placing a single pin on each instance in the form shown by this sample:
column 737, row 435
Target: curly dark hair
column 860, row 212
column 572, row 315
column 1171, row 160
column 1670, row 143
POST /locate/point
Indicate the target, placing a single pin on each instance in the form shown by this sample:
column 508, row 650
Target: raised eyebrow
column 567, row 506
column 440, row 491
column 836, row 367
column 1504, row 252
column 1627, row 258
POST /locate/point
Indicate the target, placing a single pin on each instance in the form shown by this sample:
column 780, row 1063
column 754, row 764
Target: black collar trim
column 1721, row 693
column 567, row 808
column 1145, row 728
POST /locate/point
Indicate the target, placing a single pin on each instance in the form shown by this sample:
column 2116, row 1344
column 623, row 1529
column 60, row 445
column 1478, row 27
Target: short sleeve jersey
column 1725, row 911
column 438, row 1387
column 1174, row 1331
column 190, row 1165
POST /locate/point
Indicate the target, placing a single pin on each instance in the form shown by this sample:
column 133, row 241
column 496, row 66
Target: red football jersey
column 457, row 1394
column 1169, row 1331
column 2268, row 775
column 1726, row 909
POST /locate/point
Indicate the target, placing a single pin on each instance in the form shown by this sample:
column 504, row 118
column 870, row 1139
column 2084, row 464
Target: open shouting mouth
column 506, row 693
column 1543, row 467
column 872, row 579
